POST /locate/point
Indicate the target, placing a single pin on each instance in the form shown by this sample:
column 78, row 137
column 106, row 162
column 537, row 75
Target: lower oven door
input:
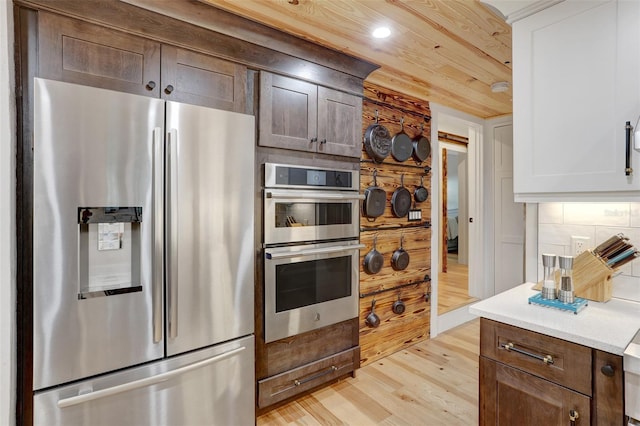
column 310, row 286
column 296, row 216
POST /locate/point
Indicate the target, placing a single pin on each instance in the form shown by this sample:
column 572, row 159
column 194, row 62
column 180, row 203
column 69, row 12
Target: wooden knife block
column 592, row 277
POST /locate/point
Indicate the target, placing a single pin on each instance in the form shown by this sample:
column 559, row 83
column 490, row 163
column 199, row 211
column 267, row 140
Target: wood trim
column 608, row 392
column 211, row 17
column 445, row 219
column 26, row 38
column 453, row 139
column 310, row 65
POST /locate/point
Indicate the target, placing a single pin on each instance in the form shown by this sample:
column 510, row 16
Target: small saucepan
column 421, row 193
column 373, row 260
column 398, row 306
column 400, row 258
column 372, row 320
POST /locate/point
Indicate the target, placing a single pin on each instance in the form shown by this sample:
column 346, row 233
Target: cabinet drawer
column 285, row 385
column 569, row 364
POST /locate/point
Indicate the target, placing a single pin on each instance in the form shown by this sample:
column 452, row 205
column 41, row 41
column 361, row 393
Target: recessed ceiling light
column 381, row 32
column 500, row 86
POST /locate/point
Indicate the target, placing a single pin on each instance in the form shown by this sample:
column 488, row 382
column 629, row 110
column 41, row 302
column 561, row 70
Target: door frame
column 444, row 116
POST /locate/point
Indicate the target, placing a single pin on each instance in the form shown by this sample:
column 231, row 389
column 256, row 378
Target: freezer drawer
column 214, row 386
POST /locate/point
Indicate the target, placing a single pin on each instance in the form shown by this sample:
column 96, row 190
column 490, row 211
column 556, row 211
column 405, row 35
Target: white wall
column 7, row 224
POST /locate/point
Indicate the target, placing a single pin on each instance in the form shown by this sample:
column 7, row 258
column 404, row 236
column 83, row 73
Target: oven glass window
column 306, row 283
column 312, row 214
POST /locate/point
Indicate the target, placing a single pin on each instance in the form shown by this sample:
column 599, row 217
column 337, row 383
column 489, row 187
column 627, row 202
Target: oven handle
column 309, row 252
column 313, row 195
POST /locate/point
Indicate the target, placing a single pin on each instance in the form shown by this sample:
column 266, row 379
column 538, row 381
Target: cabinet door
column 91, row 55
column 512, row 397
column 576, row 67
column 339, row 123
column 288, row 113
column 204, row 80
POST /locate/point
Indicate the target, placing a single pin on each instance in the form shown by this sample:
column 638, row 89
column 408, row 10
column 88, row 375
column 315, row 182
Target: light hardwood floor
column 434, row 382
column 453, row 286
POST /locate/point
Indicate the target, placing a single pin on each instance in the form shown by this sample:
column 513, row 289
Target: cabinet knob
column 608, row 370
column 168, row 89
column 151, row 85
column 313, row 140
column 323, row 141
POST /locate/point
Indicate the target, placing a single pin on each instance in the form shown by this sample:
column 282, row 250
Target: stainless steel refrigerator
column 143, row 260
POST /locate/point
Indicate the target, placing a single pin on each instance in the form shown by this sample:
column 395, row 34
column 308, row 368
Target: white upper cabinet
column 576, row 73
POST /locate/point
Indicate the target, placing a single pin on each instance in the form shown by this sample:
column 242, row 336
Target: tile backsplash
column 558, row 222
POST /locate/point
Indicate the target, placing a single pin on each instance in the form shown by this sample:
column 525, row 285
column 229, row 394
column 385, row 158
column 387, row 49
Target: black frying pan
column 373, row 260
column 421, row 193
column 375, row 199
column 401, row 144
column 377, row 141
column 401, row 200
column 400, row 258
column 421, row 147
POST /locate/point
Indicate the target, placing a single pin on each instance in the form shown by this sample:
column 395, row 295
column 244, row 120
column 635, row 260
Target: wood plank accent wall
column 412, row 285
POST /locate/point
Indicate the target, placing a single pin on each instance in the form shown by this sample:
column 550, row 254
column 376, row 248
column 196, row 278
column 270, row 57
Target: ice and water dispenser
column 109, row 250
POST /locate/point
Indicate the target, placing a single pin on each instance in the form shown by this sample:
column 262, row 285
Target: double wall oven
column 311, row 249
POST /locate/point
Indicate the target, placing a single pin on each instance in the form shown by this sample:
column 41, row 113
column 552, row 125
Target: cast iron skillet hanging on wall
column 400, row 258
column 401, row 200
column 375, row 199
column 401, row 145
column 373, row 260
column 421, row 146
column 421, row 193
column 377, row 141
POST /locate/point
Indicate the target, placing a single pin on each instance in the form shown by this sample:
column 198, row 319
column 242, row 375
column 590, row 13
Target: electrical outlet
column 579, row 244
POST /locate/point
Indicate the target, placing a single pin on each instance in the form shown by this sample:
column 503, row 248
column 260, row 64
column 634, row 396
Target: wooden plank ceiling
column 445, row 51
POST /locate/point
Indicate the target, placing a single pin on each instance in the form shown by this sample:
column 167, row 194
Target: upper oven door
column 295, row 216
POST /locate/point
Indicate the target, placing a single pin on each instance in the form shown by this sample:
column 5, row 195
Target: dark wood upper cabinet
column 82, row 53
column 305, row 117
column 79, row 52
column 339, row 123
column 204, row 80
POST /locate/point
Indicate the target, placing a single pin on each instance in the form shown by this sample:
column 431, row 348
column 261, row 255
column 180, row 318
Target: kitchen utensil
column 401, row 144
column 375, row 199
column 400, row 257
column 401, row 200
column 373, row 260
column 421, row 193
column 398, row 306
column 372, row 320
column 421, row 146
column 377, row 141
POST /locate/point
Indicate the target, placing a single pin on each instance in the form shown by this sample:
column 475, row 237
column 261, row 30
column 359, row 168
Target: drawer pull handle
column 547, row 359
column 315, row 376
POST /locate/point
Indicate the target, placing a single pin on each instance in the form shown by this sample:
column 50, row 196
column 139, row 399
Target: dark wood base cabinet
column 294, row 365
column 527, row 378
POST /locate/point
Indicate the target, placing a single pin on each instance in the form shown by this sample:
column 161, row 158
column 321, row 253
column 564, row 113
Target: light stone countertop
column 607, row 326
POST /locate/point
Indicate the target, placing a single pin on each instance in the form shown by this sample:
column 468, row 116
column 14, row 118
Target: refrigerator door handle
column 147, row 381
column 158, row 220
column 172, row 229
